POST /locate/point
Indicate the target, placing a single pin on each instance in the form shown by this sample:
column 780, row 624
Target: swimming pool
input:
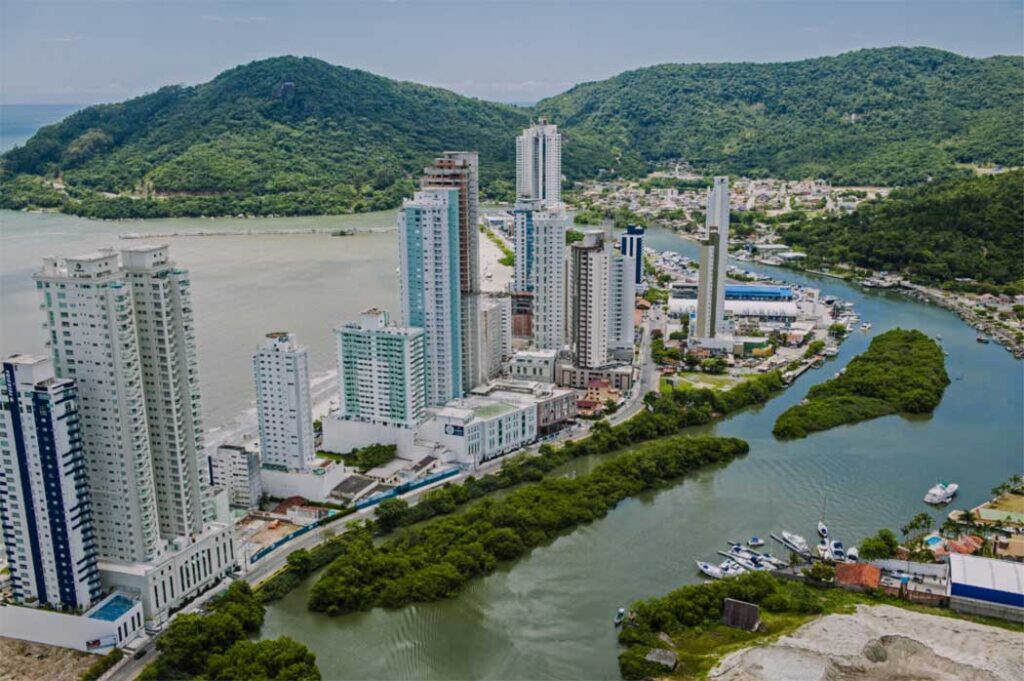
column 932, row 541
column 113, row 608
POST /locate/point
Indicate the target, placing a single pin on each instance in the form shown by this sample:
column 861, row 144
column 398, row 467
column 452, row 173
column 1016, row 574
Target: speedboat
column 772, row 561
column 941, row 493
column 745, row 562
column 710, row 570
column 866, row 326
column 619, row 616
column 982, row 339
column 755, row 541
column 853, row 555
column 824, row 550
column 837, row 552
column 822, row 530
column 730, row 568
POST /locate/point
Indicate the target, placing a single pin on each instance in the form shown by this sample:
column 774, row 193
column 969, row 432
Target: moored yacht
column 941, row 493
column 712, row 571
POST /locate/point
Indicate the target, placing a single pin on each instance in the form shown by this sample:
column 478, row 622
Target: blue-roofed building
column 986, row 586
column 113, row 622
column 758, row 292
column 632, row 244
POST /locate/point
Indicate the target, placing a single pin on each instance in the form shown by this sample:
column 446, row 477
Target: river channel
column 549, row 615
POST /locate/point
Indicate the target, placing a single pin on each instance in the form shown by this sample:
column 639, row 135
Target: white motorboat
column 866, row 326
column 730, row 568
column 822, row 529
column 755, row 541
column 941, row 493
column 824, row 550
column 853, row 555
column 710, row 570
column 837, row 552
column 794, row 542
column 770, row 560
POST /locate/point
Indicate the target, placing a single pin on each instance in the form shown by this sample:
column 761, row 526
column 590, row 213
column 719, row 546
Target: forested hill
column 289, row 135
column 295, row 135
column 965, row 227
column 891, row 116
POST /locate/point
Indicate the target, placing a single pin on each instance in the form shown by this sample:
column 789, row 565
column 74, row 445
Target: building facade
column 631, row 244
column 522, row 238
column 539, row 163
column 162, row 301
column 714, row 261
column 283, row 404
column 589, row 267
column 92, row 335
column 621, row 305
column 428, row 237
column 548, row 321
column 45, row 509
column 459, row 170
column 495, row 333
column 382, row 371
column 236, row 468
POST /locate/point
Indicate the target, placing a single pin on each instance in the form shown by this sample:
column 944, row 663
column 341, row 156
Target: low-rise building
column 112, row 622
column 986, row 586
column 533, row 365
column 620, row 376
column 477, row 429
column 236, row 468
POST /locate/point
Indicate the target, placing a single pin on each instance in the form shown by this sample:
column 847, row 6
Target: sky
column 86, row 51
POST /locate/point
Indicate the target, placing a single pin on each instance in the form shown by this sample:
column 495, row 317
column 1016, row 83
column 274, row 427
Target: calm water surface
column 549, row 615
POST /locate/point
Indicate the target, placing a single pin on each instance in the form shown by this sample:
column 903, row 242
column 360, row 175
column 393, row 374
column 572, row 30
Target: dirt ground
column 25, row 661
column 880, row 643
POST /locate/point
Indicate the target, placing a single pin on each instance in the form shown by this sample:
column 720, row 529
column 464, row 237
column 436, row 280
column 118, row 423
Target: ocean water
column 18, row 122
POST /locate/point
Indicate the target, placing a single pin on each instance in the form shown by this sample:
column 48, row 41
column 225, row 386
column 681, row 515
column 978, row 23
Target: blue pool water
column 112, row 609
column 932, row 541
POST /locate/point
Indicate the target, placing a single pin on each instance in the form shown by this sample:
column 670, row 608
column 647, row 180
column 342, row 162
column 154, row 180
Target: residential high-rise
column 589, row 300
column 524, row 233
column 283, row 407
column 92, row 335
column 632, row 244
column 549, row 272
column 714, row 260
column 162, row 300
column 495, row 332
column 539, row 164
column 429, row 287
column 236, row 468
column 45, row 508
column 621, row 305
column 460, row 170
column 382, row 371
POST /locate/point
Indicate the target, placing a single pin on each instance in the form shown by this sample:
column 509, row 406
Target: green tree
column 390, row 513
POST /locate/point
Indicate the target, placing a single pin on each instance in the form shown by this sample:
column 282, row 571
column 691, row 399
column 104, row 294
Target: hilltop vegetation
column 901, row 372
column 965, row 227
column 293, row 135
column 892, row 116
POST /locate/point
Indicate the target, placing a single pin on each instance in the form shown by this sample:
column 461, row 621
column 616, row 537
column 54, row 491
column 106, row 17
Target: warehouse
column 985, row 586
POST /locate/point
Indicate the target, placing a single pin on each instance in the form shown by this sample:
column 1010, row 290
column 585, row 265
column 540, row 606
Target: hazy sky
column 84, row 51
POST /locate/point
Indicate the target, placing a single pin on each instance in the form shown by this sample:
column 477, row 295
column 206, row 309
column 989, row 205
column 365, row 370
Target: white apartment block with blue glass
column 428, row 237
column 283, row 405
column 45, row 511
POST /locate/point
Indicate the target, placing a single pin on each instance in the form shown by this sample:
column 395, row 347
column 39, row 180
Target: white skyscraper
column 714, row 260
column 540, row 270
column 588, row 280
column 44, row 494
column 281, row 369
column 381, row 371
column 495, row 332
column 428, row 238
column 162, row 300
column 621, row 305
column 91, row 324
column 539, row 164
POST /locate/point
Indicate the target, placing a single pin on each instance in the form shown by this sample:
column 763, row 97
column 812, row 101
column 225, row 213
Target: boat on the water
column 824, row 550
column 745, row 562
column 866, row 326
column 730, row 568
column 837, row 552
column 822, row 529
column 712, row 571
column 772, row 561
column 941, row 493
column 852, row 554
column 619, row 616
column 982, row 339
column 755, row 541
column 794, row 542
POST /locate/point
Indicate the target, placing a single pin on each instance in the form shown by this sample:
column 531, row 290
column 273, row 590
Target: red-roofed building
column 858, row 576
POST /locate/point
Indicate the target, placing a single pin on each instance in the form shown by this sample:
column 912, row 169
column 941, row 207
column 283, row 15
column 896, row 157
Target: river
column 549, row 615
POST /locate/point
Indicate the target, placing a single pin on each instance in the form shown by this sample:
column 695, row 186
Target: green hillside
column 964, row 227
column 889, row 116
column 297, row 135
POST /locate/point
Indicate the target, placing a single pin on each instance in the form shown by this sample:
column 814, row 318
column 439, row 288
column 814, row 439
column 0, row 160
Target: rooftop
column 987, row 573
column 112, row 608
